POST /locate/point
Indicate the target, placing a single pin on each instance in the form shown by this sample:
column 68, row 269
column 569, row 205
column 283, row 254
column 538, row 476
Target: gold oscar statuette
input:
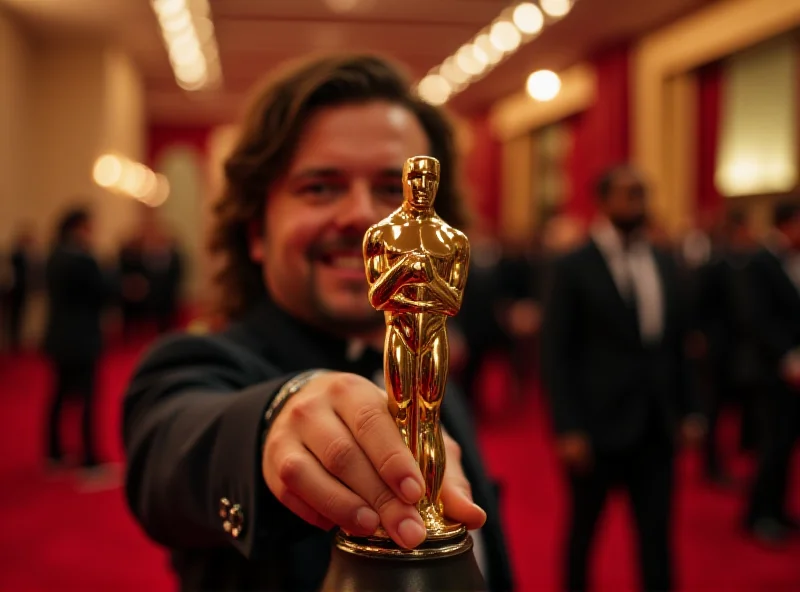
column 416, row 266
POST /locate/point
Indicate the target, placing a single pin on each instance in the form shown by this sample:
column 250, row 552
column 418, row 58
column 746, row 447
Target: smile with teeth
column 345, row 261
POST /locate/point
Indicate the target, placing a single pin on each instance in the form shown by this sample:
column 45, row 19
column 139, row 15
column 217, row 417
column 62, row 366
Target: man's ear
column 255, row 239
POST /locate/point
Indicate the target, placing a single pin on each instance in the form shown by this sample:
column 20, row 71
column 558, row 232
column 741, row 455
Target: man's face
column 346, row 175
column 626, row 204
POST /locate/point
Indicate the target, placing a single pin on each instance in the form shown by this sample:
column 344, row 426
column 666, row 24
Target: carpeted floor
column 58, row 538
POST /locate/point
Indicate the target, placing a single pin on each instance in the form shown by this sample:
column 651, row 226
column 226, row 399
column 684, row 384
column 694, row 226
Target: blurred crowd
column 641, row 337
column 88, row 300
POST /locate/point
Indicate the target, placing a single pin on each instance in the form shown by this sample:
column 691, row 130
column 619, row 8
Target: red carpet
column 55, row 538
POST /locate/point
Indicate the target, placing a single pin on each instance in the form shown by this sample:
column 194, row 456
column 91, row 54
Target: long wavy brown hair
column 266, row 146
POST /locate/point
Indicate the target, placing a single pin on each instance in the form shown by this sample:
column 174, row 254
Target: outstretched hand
column 335, row 457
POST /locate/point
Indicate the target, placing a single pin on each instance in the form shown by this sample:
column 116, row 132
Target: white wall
column 62, row 104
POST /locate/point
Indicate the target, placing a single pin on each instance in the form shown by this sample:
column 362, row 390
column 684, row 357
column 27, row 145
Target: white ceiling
column 255, row 35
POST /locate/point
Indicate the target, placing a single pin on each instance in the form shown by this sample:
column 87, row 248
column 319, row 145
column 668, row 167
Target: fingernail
column 411, row 489
column 411, row 532
column 368, row 519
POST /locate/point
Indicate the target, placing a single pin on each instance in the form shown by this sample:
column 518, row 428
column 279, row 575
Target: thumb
column 458, row 504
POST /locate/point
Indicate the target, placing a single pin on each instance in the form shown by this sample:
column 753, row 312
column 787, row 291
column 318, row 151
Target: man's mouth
column 343, row 260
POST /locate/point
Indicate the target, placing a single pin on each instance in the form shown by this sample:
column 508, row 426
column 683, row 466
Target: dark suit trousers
column 780, row 423
column 73, row 379
column 645, row 471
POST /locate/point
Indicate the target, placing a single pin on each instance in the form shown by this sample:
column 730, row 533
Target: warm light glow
column 556, row 8
column 505, row 36
column 514, row 26
column 484, row 43
column 191, row 44
column 469, row 59
column 528, row 18
column 107, row 170
column 132, row 179
column 434, row 89
column 178, row 23
column 168, row 8
column 758, row 129
column 452, row 72
column 160, row 192
column 543, row 85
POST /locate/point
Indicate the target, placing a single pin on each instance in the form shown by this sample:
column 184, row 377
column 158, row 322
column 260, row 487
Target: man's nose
column 358, row 209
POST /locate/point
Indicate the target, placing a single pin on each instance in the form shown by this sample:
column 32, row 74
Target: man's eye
column 320, row 190
column 393, row 192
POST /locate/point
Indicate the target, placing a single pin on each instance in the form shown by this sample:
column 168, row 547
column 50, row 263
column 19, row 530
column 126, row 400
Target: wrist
column 289, row 389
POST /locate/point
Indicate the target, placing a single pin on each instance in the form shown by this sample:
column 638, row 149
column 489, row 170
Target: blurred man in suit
column 247, row 446
column 613, row 365
column 77, row 291
column 774, row 309
column 22, row 270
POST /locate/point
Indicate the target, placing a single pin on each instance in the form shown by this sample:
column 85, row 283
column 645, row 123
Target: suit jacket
column 601, row 378
column 77, row 291
column 193, row 420
column 774, row 311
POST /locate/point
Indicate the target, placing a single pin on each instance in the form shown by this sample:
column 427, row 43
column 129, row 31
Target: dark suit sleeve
column 192, row 427
column 772, row 334
column 559, row 343
column 686, row 320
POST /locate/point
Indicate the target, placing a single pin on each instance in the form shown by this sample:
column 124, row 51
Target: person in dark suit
column 22, row 263
column 77, row 291
column 613, row 366
column 774, row 309
column 245, row 447
column 164, row 268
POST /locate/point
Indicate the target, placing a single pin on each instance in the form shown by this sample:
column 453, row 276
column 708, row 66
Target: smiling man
column 246, row 447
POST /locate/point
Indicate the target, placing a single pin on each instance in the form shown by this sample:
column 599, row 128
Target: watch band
column 292, row 386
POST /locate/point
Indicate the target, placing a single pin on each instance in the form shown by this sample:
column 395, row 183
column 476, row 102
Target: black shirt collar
column 294, row 346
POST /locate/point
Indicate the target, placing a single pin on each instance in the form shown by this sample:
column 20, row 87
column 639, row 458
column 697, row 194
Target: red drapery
column 482, row 172
column 709, row 95
column 161, row 137
column 600, row 135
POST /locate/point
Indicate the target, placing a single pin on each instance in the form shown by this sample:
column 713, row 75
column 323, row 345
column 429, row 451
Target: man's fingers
column 337, row 451
column 306, row 512
column 360, row 406
column 303, row 477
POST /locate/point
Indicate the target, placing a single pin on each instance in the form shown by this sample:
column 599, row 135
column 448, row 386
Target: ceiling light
column 513, row 27
column 178, row 23
column 484, row 43
column 467, row 59
column 191, row 44
column 434, row 89
column 131, row 179
column 168, row 8
column 543, row 85
column 528, row 18
column 107, row 170
column 505, row 36
column 556, row 8
column 452, row 72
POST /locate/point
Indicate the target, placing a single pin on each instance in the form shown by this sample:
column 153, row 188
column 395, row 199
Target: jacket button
column 234, row 524
column 224, row 508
